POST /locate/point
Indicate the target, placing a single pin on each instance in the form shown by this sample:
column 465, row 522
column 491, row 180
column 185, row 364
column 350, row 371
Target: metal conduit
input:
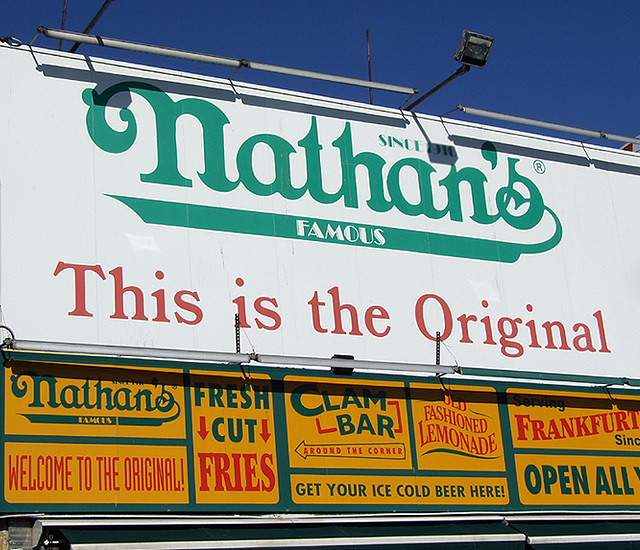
column 225, row 357
column 216, row 60
column 546, row 125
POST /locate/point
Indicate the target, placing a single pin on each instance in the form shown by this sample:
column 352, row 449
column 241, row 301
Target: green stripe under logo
column 214, row 218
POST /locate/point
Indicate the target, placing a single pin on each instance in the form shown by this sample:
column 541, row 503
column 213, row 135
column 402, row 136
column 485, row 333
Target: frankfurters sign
column 329, row 227
column 191, row 437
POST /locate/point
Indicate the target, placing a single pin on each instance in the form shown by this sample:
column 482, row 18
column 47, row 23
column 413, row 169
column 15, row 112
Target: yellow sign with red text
column 234, row 444
column 457, row 428
column 580, row 421
column 85, row 434
column 89, row 473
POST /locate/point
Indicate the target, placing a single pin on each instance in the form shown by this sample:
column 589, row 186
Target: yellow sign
column 42, row 472
column 407, row 490
column 191, row 438
column 566, row 420
column 578, row 480
column 457, row 428
column 343, row 424
column 79, row 400
column 234, row 442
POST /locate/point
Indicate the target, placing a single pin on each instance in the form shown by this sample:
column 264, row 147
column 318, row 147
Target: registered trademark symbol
column 539, row 166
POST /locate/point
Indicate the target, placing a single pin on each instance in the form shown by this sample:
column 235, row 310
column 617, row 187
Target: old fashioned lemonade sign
column 457, row 429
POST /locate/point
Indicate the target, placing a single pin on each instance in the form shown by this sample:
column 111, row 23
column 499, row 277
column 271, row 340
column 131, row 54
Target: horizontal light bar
column 130, row 351
column 216, row 60
column 546, row 125
column 356, row 364
column 606, row 539
column 101, row 521
column 232, row 358
column 108, row 520
column 306, row 542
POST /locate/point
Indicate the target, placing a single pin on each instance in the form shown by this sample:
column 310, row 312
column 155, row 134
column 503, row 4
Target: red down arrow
column 203, row 432
column 264, row 434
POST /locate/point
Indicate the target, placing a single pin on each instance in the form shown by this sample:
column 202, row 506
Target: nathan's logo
column 93, row 401
column 450, row 426
column 407, row 185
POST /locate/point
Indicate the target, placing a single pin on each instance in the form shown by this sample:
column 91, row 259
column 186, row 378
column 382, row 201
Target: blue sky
column 579, row 66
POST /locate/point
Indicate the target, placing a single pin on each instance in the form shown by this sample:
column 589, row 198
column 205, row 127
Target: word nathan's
column 516, row 203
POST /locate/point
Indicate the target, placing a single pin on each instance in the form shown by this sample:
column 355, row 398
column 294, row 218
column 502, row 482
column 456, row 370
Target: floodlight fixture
column 472, row 51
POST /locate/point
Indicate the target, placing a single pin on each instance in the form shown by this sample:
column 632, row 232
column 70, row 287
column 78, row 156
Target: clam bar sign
column 328, row 227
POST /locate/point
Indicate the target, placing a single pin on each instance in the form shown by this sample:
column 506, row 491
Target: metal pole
column 547, row 125
column 237, row 327
column 369, row 62
column 130, row 351
column 216, row 60
column 462, row 70
column 64, row 18
column 92, row 23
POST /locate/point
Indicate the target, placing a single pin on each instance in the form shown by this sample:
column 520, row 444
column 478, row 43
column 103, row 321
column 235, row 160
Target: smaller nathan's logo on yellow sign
column 131, row 400
column 462, row 426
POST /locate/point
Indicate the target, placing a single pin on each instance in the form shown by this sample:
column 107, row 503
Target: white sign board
column 143, row 207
